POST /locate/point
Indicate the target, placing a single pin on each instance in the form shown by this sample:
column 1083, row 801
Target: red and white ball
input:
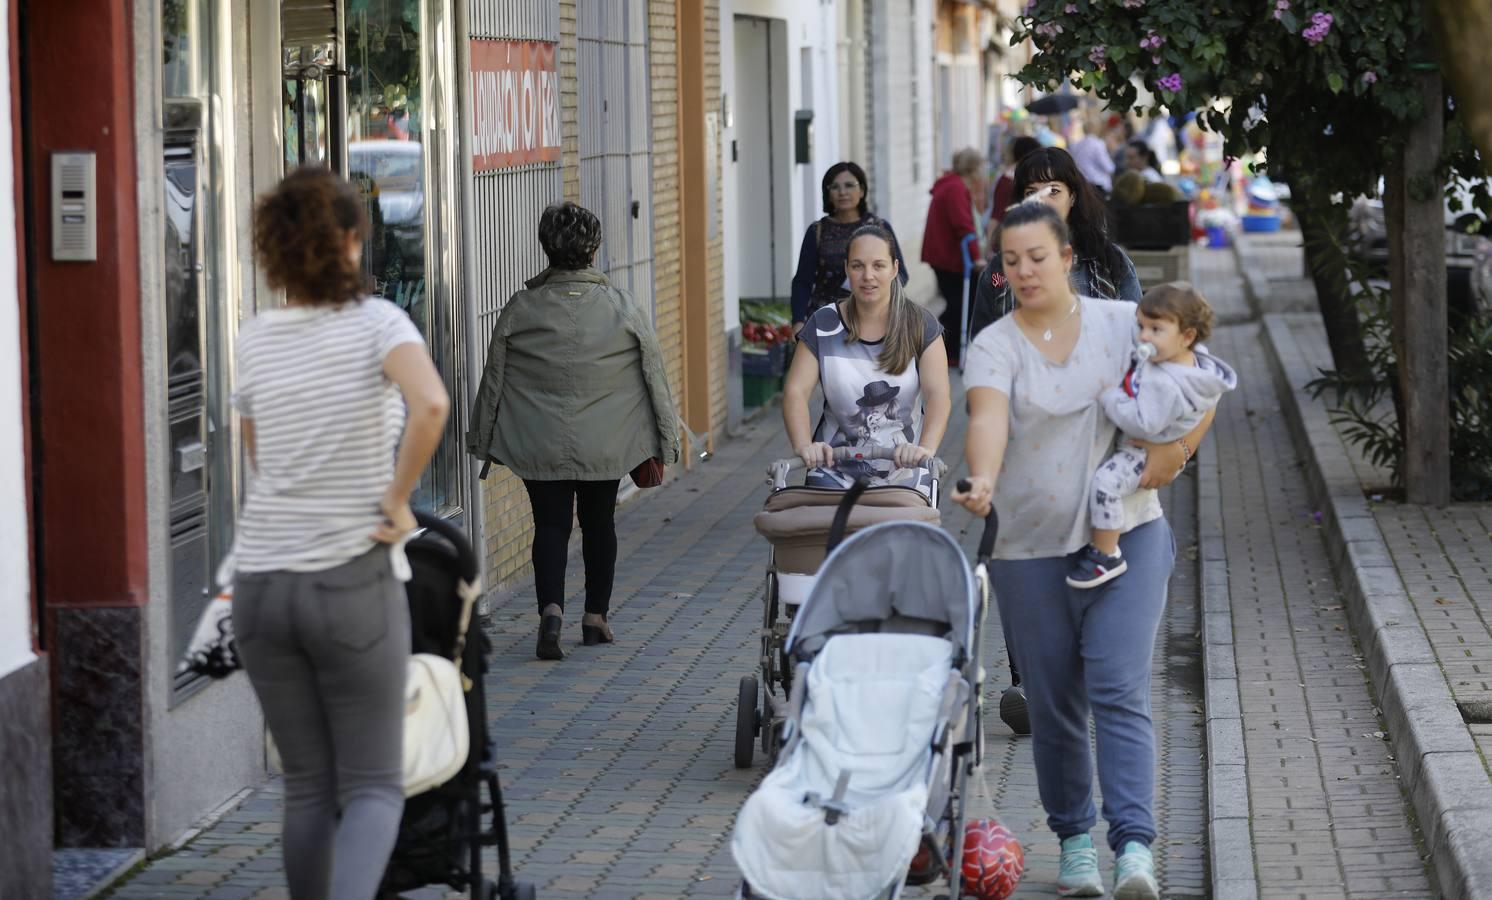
column 993, row 860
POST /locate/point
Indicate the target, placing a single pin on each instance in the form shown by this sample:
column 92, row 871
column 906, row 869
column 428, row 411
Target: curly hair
column 855, row 172
column 570, row 235
column 300, row 236
column 1182, row 304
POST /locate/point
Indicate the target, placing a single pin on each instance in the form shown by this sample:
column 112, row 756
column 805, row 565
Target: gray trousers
column 327, row 652
column 1117, row 478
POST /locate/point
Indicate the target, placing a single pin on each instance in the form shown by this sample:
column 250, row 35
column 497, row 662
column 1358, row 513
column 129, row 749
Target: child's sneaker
column 1078, row 869
column 1134, row 874
column 1092, row 567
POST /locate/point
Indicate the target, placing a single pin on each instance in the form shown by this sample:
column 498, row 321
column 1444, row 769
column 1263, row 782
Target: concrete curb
column 1437, row 759
column 1255, row 283
column 1230, row 837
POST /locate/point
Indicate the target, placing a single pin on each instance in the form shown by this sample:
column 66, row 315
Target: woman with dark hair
column 884, row 374
column 573, row 397
column 325, row 386
column 820, row 279
column 1100, row 267
column 1036, row 435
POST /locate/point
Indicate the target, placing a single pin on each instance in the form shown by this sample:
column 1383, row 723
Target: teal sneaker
column 1078, row 872
column 1134, row 874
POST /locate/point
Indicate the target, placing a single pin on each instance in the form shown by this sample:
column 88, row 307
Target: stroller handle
column 777, row 471
column 991, row 526
column 447, row 529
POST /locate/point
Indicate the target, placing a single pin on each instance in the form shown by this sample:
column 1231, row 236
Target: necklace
column 1047, row 335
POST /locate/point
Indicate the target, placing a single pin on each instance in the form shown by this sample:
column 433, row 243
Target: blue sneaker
column 1092, row 567
column 1134, row 874
column 1078, row 870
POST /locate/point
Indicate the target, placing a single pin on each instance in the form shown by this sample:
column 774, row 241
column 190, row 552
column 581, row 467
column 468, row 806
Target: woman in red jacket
column 951, row 216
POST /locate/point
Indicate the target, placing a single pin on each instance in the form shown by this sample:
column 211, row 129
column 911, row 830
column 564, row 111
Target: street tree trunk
column 1463, row 32
column 1323, row 228
column 1414, row 210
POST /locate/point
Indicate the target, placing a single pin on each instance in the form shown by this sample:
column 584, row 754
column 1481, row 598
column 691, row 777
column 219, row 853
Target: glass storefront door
column 358, row 98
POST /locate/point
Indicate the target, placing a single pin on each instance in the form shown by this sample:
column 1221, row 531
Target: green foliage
column 1365, row 407
column 1328, row 101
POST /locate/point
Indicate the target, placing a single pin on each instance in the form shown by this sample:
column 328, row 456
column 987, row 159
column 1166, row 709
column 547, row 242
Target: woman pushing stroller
column 1035, row 424
column 884, row 371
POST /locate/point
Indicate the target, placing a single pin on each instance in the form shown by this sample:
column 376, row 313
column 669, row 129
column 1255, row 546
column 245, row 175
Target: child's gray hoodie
column 1167, row 400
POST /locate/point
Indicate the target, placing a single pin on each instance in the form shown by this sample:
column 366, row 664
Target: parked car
column 1468, row 239
column 393, row 173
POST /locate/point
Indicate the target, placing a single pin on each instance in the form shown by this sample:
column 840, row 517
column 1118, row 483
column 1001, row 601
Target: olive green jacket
column 574, row 386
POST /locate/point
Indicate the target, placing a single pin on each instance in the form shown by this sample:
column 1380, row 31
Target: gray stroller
column 884, row 724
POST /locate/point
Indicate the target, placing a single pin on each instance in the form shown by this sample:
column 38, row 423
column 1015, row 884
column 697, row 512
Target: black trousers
column 951, row 286
column 556, row 506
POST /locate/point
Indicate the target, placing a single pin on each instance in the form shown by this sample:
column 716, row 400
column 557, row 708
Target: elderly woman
column 1036, row 435
column 820, row 279
column 573, row 398
column 955, row 212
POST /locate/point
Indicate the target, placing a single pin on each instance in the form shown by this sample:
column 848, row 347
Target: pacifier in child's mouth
column 1143, row 351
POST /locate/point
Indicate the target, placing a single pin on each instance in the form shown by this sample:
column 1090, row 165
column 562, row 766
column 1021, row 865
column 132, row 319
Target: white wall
column 901, row 74
column 810, row 25
column 15, row 568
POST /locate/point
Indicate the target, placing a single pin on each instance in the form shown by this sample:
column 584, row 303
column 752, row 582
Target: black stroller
column 444, row 829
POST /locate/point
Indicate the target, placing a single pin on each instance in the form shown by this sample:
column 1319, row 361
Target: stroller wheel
column 747, row 721
column 1013, row 709
column 524, row 891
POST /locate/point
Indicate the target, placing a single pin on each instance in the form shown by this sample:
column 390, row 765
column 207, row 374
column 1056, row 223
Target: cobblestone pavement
column 1329, row 818
column 1444, row 557
column 618, row 760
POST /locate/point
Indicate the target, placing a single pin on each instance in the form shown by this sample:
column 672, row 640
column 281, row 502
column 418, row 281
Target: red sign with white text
column 515, row 104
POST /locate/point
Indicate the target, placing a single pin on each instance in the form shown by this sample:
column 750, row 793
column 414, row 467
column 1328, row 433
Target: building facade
column 130, row 272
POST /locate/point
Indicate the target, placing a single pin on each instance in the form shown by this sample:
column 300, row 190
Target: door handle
column 190, row 456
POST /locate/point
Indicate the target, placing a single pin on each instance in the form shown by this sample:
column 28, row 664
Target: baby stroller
column 444, row 829
column 884, row 724
column 796, row 521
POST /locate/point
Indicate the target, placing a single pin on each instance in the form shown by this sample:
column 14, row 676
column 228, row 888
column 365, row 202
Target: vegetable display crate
column 1156, row 267
column 768, row 361
column 758, row 390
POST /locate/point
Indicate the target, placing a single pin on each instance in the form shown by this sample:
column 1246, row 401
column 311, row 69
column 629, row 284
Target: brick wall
column 718, row 371
column 663, row 63
column 569, row 100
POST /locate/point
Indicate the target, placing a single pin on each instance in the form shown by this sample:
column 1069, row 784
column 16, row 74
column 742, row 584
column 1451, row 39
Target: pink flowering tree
column 1335, row 92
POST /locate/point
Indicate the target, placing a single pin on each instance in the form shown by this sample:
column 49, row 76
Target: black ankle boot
column 549, row 637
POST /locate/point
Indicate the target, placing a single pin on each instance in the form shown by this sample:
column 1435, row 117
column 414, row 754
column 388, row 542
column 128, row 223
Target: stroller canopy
column 897, row 576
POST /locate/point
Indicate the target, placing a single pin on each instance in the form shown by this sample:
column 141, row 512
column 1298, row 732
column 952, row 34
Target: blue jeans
column 1083, row 652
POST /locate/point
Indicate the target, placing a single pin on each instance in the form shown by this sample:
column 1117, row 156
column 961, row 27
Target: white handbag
column 436, row 737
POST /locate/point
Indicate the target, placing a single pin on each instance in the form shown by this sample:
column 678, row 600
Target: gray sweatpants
column 326, row 653
column 1117, row 478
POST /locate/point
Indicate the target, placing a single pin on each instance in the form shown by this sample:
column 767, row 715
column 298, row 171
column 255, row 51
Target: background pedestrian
column 820, row 279
column 1101, row 267
column 325, row 387
column 952, row 215
column 573, row 398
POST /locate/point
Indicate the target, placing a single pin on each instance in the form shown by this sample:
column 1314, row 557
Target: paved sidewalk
column 1329, row 818
column 618, row 759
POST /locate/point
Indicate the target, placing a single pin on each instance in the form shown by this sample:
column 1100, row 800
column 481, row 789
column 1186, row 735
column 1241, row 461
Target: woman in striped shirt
column 341, row 410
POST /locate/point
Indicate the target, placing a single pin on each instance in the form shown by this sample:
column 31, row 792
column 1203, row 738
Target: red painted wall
column 90, row 450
